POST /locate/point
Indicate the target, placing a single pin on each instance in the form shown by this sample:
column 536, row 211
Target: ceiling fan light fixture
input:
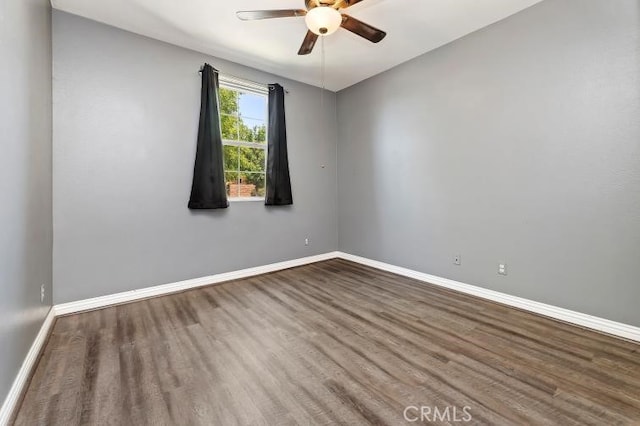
column 323, row 20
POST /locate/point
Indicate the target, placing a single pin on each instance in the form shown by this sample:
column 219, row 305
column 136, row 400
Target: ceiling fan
column 323, row 17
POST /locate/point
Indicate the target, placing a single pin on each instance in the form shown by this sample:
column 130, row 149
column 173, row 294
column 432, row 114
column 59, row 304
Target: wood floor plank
column 329, row 343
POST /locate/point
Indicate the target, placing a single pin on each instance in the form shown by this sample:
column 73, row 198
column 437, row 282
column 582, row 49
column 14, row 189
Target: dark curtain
column 278, row 181
column 208, row 190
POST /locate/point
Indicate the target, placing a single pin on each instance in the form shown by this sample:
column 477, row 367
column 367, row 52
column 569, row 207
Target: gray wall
column 25, row 178
column 518, row 143
column 125, row 127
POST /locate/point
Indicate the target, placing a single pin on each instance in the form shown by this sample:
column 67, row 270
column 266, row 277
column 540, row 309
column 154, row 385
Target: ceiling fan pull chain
column 323, row 62
column 322, row 72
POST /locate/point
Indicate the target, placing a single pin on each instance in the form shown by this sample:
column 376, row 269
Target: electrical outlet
column 502, row 269
column 306, row 241
column 42, row 292
column 457, row 260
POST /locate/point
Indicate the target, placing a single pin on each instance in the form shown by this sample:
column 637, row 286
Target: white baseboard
column 573, row 317
column 595, row 323
column 144, row 293
column 13, row 398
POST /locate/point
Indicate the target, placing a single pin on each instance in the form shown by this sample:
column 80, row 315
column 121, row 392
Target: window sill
column 245, row 199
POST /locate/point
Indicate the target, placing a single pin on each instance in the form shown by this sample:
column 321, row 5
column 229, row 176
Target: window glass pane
column 229, row 127
column 252, row 159
column 252, row 184
column 231, row 179
column 253, row 130
column 243, row 119
column 252, row 106
column 230, row 158
column 228, row 101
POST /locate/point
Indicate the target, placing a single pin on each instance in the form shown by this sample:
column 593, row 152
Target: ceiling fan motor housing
column 310, row 4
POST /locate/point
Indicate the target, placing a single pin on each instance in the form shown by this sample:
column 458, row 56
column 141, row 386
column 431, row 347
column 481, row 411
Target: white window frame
column 244, row 86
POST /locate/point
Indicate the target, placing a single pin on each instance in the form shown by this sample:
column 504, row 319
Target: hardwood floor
column 328, row 343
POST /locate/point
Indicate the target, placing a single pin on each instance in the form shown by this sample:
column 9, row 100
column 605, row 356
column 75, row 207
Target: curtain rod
column 242, row 80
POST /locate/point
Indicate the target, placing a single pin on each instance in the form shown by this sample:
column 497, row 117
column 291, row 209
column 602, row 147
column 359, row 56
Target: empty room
column 319, row 212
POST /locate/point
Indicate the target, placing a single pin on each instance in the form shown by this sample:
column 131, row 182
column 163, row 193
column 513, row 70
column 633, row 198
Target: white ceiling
column 210, row 26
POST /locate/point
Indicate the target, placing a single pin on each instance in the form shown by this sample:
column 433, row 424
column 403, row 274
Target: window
column 243, row 117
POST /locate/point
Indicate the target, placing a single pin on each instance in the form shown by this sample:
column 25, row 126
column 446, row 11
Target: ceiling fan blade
column 252, row 15
column 372, row 34
column 351, row 2
column 308, row 43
